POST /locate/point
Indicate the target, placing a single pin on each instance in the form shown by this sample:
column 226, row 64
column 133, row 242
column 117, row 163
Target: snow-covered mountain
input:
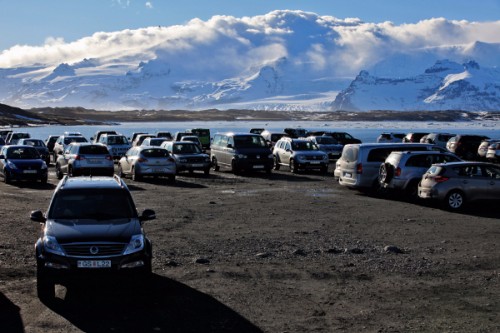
column 446, row 85
column 284, row 60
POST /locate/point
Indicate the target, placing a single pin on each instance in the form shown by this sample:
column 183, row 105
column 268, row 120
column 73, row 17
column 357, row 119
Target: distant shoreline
column 10, row 116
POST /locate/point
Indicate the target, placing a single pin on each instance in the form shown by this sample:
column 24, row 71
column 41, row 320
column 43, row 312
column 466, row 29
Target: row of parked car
column 418, row 170
column 467, row 146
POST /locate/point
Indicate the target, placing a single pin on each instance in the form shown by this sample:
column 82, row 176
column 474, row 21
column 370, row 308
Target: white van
column 359, row 164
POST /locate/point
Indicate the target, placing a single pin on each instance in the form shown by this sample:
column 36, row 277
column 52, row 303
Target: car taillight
column 440, row 179
column 109, row 158
column 359, row 168
column 142, row 160
column 79, row 157
column 397, row 172
column 170, row 159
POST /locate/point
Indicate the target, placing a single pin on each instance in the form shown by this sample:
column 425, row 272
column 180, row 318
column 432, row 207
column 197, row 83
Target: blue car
column 22, row 163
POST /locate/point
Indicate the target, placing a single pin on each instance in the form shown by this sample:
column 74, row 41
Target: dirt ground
column 270, row 253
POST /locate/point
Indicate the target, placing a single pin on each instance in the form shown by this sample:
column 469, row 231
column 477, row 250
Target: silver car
column 188, row 156
column 455, row 184
column 79, row 159
column 142, row 161
column 493, row 153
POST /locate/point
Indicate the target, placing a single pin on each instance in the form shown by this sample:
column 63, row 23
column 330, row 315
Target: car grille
column 88, row 249
column 314, row 158
column 257, row 156
column 196, row 159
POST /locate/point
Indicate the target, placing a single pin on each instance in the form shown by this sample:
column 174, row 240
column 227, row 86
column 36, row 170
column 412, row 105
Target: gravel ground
column 270, row 253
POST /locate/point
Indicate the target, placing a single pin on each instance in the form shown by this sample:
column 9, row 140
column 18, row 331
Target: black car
column 342, row 138
column 91, row 229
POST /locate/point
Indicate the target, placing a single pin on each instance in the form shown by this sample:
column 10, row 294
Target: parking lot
column 273, row 253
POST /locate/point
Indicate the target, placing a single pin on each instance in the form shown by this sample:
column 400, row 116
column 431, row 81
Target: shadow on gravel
column 156, row 305
column 10, row 318
column 32, row 185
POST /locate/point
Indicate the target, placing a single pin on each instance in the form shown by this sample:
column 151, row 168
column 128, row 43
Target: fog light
column 56, row 265
column 133, row 264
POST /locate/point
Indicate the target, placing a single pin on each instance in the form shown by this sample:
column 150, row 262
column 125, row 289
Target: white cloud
column 149, row 5
column 226, row 45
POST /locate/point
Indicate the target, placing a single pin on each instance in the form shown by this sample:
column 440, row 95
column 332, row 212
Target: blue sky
column 32, row 22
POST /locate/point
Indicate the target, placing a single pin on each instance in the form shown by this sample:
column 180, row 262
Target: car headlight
column 270, row 156
column 301, row 158
column 136, row 244
column 241, row 156
column 51, row 245
column 44, row 166
column 183, row 160
column 11, row 165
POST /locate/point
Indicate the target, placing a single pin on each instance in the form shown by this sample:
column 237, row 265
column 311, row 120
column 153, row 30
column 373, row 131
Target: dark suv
column 91, row 229
column 465, row 146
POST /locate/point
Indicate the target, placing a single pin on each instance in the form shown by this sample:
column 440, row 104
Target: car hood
column 85, row 230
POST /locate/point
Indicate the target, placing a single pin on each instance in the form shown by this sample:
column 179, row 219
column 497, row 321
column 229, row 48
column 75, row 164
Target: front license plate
column 196, row 165
column 94, row 263
column 29, row 171
column 315, row 162
column 258, row 167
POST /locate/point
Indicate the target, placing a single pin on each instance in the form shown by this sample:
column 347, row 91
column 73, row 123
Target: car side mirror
column 147, row 214
column 37, row 216
column 229, row 145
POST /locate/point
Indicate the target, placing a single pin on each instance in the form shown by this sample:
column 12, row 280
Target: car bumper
column 246, row 164
column 156, row 170
column 192, row 166
column 24, row 175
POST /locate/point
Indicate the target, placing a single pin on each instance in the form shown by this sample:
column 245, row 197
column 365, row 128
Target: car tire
column 215, row 165
column 6, row 177
column 71, row 173
column 120, row 171
column 455, row 200
column 44, row 180
column 276, row 163
column 234, row 169
column 386, row 172
column 45, row 287
column 293, row 167
column 412, row 190
column 135, row 176
column 59, row 173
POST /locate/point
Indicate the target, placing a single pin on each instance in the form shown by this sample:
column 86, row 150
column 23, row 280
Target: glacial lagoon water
column 366, row 131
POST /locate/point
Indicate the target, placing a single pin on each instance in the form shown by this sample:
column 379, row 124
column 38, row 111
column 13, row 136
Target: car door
column 63, row 159
column 488, row 180
column 286, row 152
column 127, row 161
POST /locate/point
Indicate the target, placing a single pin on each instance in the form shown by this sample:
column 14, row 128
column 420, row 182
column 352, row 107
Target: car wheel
column 412, row 190
column 234, row 169
column 171, row 179
column 293, row 167
column 324, row 169
column 135, row 176
column 385, row 173
column 455, row 200
column 215, row 165
column 276, row 163
column 120, row 171
column 59, row 173
column 45, row 287
column 44, row 180
column 6, row 177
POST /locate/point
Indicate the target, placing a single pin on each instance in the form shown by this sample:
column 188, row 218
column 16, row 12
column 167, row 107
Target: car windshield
column 34, row 143
column 326, row 140
column 96, row 204
column 155, row 153
column 249, row 141
column 187, row 149
column 67, row 141
column 303, row 145
column 22, row 153
column 117, row 140
column 94, row 150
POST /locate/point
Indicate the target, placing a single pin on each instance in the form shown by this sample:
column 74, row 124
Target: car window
column 378, row 154
column 23, row 153
column 155, row 153
column 94, row 150
column 91, row 204
column 248, row 141
column 492, row 172
column 303, row 145
column 350, row 154
column 326, row 140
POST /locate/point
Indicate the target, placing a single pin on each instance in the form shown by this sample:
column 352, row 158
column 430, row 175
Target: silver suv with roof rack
column 299, row 154
column 403, row 170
